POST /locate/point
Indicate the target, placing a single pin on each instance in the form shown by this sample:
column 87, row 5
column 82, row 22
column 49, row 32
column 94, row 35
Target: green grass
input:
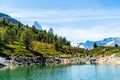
column 46, row 49
column 105, row 51
column 13, row 50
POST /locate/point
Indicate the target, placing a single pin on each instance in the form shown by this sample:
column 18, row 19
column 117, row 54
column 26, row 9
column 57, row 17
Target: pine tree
column 51, row 31
column 41, row 36
column 5, row 36
column 12, row 35
column 64, row 41
column 95, row 44
column 27, row 39
column 5, row 21
column 9, row 35
column 34, row 29
column 56, row 46
column 55, row 38
column 116, row 45
column 60, row 42
column 19, row 25
column 68, row 43
column 1, row 45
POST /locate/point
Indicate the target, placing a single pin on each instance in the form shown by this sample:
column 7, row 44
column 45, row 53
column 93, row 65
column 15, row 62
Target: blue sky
column 77, row 20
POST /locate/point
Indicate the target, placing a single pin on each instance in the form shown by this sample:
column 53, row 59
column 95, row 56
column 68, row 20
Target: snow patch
column 109, row 43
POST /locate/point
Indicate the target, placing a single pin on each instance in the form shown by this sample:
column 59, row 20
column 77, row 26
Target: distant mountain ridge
column 37, row 25
column 9, row 18
column 105, row 42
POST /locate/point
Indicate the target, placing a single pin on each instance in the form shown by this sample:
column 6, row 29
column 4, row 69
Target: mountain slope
column 9, row 18
column 37, row 25
column 105, row 42
column 21, row 40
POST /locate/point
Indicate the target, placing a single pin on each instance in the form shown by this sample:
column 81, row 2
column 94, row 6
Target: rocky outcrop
column 90, row 60
column 109, row 60
column 23, row 60
column 52, row 60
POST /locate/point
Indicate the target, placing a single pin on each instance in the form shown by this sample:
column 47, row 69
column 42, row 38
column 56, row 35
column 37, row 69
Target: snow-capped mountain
column 105, row 42
column 37, row 25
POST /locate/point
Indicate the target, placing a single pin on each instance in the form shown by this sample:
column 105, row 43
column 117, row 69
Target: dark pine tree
column 27, row 39
column 116, row 45
column 95, row 45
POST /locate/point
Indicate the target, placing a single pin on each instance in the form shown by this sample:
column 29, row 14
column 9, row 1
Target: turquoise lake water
column 70, row 72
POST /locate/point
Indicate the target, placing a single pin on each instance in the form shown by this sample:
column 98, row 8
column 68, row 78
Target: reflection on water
column 71, row 72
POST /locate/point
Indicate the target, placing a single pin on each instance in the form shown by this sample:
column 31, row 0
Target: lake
column 59, row 72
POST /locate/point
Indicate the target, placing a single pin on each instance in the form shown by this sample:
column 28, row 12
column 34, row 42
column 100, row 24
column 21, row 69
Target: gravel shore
column 109, row 60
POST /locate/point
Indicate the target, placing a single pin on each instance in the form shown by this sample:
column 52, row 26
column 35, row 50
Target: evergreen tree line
column 24, row 35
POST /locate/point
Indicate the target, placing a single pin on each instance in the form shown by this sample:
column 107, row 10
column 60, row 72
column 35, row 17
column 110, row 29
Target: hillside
column 26, row 41
column 42, row 43
column 104, row 51
column 23, row 40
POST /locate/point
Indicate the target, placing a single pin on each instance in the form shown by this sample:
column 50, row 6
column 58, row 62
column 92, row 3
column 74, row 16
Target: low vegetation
column 19, row 39
column 104, row 51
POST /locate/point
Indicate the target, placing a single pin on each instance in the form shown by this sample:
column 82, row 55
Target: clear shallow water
column 71, row 72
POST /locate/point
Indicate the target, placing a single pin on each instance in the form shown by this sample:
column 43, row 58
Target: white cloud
column 46, row 15
column 91, row 24
column 79, row 35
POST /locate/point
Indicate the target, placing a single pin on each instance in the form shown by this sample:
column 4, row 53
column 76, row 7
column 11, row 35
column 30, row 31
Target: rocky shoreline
column 22, row 60
column 109, row 60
